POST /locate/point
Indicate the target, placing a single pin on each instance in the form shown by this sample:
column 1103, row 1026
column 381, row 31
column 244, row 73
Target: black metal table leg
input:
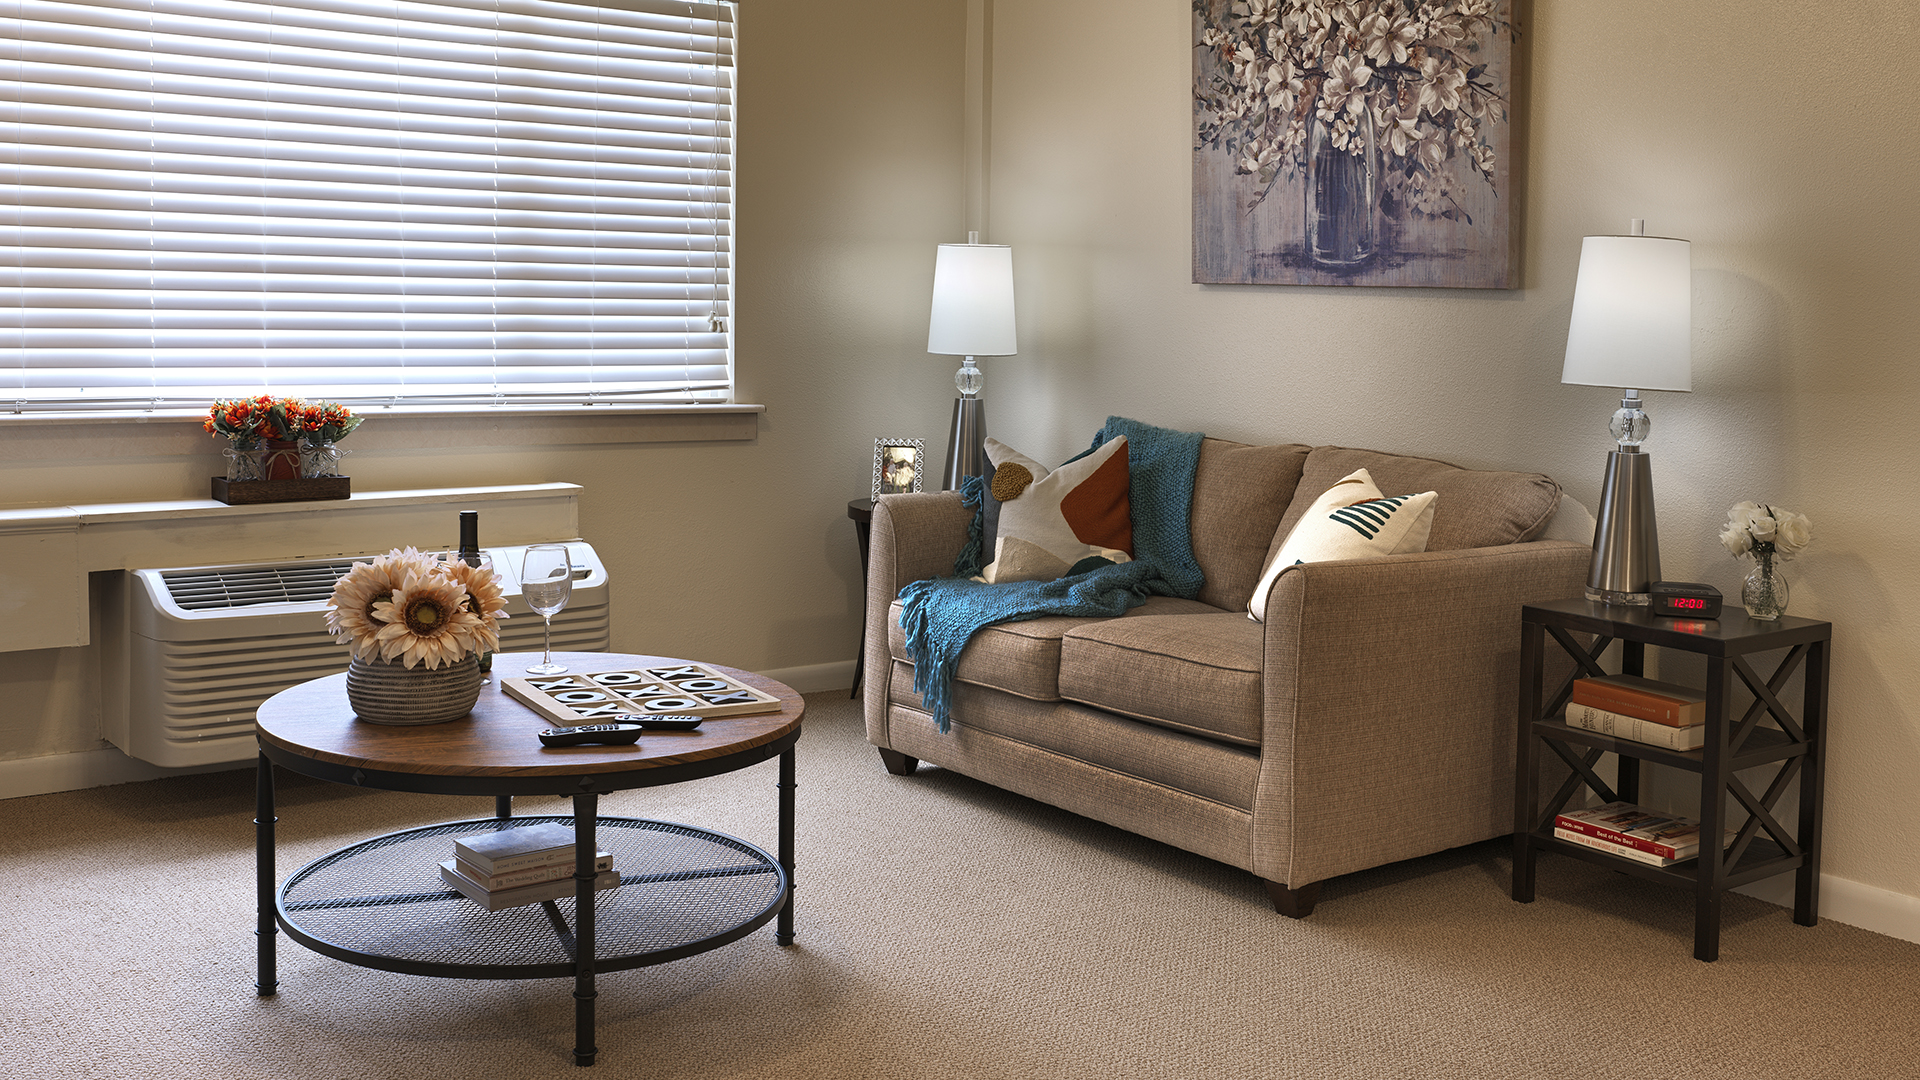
column 1714, row 774
column 503, row 806
column 1813, row 719
column 586, row 812
column 783, row 929
column 1526, row 768
column 267, row 980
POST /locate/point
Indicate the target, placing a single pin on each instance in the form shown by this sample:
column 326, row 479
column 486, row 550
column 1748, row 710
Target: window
column 416, row 202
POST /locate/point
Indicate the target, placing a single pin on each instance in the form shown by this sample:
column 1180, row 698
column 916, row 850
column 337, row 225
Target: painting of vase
column 1358, row 143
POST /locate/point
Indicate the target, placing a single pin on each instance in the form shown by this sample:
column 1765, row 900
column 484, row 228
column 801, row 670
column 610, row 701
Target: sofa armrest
column 914, row 536
column 1390, row 691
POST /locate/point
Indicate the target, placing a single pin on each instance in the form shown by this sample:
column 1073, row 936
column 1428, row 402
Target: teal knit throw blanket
column 940, row 615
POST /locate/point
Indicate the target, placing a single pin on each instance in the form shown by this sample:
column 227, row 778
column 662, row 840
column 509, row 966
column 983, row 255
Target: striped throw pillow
column 1350, row 520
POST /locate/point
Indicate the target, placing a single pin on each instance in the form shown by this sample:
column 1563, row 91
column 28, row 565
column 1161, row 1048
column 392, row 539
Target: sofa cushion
column 1239, row 493
column 1023, row 657
column 1193, row 673
column 1050, row 520
column 1477, row 507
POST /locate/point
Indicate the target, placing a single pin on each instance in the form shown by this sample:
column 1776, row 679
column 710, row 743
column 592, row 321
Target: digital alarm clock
column 1685, row 600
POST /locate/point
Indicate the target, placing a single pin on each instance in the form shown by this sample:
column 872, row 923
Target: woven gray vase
column 385, row 692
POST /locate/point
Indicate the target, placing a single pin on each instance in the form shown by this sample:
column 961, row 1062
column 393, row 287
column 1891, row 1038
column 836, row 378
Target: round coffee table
column 381, row 902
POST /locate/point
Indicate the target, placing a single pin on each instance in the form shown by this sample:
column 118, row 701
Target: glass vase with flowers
column 1766, row 534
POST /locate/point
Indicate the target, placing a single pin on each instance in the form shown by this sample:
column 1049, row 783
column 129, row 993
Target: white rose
column 1736, row 540
column 1763, row 526
column 1795, row 532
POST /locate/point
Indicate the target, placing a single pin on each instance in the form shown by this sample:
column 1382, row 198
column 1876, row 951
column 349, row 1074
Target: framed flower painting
column 1365, row 142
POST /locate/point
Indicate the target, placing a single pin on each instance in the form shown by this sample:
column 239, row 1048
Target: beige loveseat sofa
column 1370, row 718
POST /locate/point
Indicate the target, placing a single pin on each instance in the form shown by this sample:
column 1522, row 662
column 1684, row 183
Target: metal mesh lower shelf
column 382, row 902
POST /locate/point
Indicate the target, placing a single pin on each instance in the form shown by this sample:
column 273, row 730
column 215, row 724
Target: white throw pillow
column 1350, row 520
column 1052, row 520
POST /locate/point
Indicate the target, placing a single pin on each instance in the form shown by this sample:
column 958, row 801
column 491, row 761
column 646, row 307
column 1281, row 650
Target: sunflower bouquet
column 417, row 608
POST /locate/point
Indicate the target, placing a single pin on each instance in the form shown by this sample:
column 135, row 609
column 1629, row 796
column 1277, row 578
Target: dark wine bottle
column 469, row 553
column 470, row 537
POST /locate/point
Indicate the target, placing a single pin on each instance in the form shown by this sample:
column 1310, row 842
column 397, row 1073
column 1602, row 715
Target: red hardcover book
column 1620, row 850
column 1627, row 825
column 1631, row 695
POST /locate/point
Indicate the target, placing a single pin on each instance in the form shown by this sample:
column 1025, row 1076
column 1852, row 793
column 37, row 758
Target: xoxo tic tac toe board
column 670, row 690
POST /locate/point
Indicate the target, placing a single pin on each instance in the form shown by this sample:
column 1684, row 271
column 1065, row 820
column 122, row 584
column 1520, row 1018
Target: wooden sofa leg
column 898, row 763
column 1293, row 903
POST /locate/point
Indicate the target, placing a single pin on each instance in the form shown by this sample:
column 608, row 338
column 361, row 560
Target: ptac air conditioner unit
column 206, row 645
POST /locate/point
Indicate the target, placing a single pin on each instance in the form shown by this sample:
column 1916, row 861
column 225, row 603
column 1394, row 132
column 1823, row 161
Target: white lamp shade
column 972, row 301
column 1632, row 324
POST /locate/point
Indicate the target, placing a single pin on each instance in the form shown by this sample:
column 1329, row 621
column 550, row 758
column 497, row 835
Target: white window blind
column 416, row 202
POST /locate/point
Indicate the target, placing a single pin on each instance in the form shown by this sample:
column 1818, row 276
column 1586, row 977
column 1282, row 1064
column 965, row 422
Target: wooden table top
column 499, row 738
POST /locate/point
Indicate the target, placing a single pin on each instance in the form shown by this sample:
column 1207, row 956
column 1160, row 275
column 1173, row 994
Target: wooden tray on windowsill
column 246, row 492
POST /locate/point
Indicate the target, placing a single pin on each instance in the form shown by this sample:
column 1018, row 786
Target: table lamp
column 972, row 316
column 1631, row 327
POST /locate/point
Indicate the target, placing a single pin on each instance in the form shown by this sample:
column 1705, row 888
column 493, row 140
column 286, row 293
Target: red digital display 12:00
column 1685, row 602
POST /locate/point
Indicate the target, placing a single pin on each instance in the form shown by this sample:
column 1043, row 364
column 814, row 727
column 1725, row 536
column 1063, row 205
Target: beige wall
column 1726, row 123
column 1750, row 129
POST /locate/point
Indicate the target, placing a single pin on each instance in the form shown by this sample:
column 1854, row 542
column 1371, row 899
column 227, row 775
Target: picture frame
column 897, row 466
column 1373, row 161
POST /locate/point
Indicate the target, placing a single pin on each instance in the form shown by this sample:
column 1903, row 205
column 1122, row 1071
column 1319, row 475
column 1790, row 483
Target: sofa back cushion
column 1239, row 495
column 1476, row 508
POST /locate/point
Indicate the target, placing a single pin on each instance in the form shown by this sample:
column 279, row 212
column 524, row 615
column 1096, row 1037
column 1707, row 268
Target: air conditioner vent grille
column 244, row 586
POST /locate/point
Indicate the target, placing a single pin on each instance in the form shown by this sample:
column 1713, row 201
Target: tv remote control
column 591, row 733
column 668, row 723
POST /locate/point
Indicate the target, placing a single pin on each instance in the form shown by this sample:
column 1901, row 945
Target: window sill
column 70, row 438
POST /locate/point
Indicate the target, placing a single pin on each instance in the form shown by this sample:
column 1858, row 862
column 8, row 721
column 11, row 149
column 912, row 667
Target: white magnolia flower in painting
column 1340, row 92
column 1440, row 86
column 1388, row 40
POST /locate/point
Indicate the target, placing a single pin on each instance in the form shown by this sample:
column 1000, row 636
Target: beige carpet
column 947, row 929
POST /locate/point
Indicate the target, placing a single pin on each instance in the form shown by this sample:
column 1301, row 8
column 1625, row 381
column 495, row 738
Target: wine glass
column 546, row 580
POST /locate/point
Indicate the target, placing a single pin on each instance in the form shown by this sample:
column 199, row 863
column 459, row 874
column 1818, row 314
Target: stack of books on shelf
column 1632, row 832
column 524, row 865
column 1630, row 707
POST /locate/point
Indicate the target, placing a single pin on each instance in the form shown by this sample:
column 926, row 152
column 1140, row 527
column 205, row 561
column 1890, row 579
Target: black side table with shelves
column 1763, row 847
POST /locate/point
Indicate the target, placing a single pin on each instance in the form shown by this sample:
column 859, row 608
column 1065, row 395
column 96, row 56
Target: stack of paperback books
column 1632, row 832
column 1630, row 707
column 524, row 865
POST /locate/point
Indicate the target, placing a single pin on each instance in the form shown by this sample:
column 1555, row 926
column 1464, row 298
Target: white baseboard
column 1869, row 908
column 87, row 769
column 812, row 678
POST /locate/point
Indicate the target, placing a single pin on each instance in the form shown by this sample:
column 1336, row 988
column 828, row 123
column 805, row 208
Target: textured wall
column 1790, row 179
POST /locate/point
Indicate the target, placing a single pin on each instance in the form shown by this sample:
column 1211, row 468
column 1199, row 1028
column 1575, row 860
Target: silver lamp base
column 1626, row 546
column 966, row 442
